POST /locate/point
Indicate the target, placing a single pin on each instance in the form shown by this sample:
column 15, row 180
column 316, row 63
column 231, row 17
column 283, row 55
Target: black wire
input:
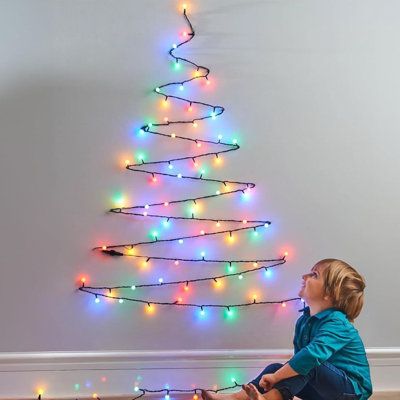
column 186, row 281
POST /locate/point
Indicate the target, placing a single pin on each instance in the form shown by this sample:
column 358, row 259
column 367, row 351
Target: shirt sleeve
column 330, row 337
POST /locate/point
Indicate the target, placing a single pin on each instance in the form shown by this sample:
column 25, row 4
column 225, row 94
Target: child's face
column 312, row 289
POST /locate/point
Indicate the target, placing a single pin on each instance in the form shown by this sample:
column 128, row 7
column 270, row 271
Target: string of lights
column 150, row 303
column 189, row 391
column 167, row 392
column 95, row 291
column 162, row 283
column 148, row 128
column 228, row 187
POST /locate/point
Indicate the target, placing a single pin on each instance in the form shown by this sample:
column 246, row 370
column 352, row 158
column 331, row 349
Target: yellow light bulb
column 150, row 309
column 130, row 252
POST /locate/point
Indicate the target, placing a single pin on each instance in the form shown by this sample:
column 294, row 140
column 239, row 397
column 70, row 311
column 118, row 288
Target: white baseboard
column 22, row 374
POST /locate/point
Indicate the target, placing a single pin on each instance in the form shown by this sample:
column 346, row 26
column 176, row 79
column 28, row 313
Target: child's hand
column 267, row 381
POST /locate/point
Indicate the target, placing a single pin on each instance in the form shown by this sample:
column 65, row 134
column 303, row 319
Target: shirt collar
column 321, row 314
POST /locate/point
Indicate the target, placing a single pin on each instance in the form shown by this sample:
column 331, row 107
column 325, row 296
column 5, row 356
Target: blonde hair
column 344, row 285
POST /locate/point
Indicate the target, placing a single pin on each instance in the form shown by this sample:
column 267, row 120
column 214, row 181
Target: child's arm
column 267, row 381
column 285, row 372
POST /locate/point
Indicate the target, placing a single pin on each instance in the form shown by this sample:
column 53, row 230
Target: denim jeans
column 325, row 382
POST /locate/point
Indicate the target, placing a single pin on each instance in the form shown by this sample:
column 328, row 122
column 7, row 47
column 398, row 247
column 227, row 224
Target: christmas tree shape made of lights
column 196, row 111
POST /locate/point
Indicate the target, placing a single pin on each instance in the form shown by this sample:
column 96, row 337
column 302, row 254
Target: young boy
column 329, row 361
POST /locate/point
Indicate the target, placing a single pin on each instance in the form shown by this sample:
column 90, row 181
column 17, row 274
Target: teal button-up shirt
column 330, row 336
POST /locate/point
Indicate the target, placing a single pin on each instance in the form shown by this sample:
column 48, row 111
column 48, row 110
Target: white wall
column 311, row 89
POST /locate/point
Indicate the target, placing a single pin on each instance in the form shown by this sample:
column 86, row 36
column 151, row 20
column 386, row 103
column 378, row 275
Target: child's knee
column 273, row 367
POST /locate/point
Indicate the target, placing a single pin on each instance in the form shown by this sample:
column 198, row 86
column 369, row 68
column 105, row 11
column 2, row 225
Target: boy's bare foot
column 252, row 392
column 208, row 395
